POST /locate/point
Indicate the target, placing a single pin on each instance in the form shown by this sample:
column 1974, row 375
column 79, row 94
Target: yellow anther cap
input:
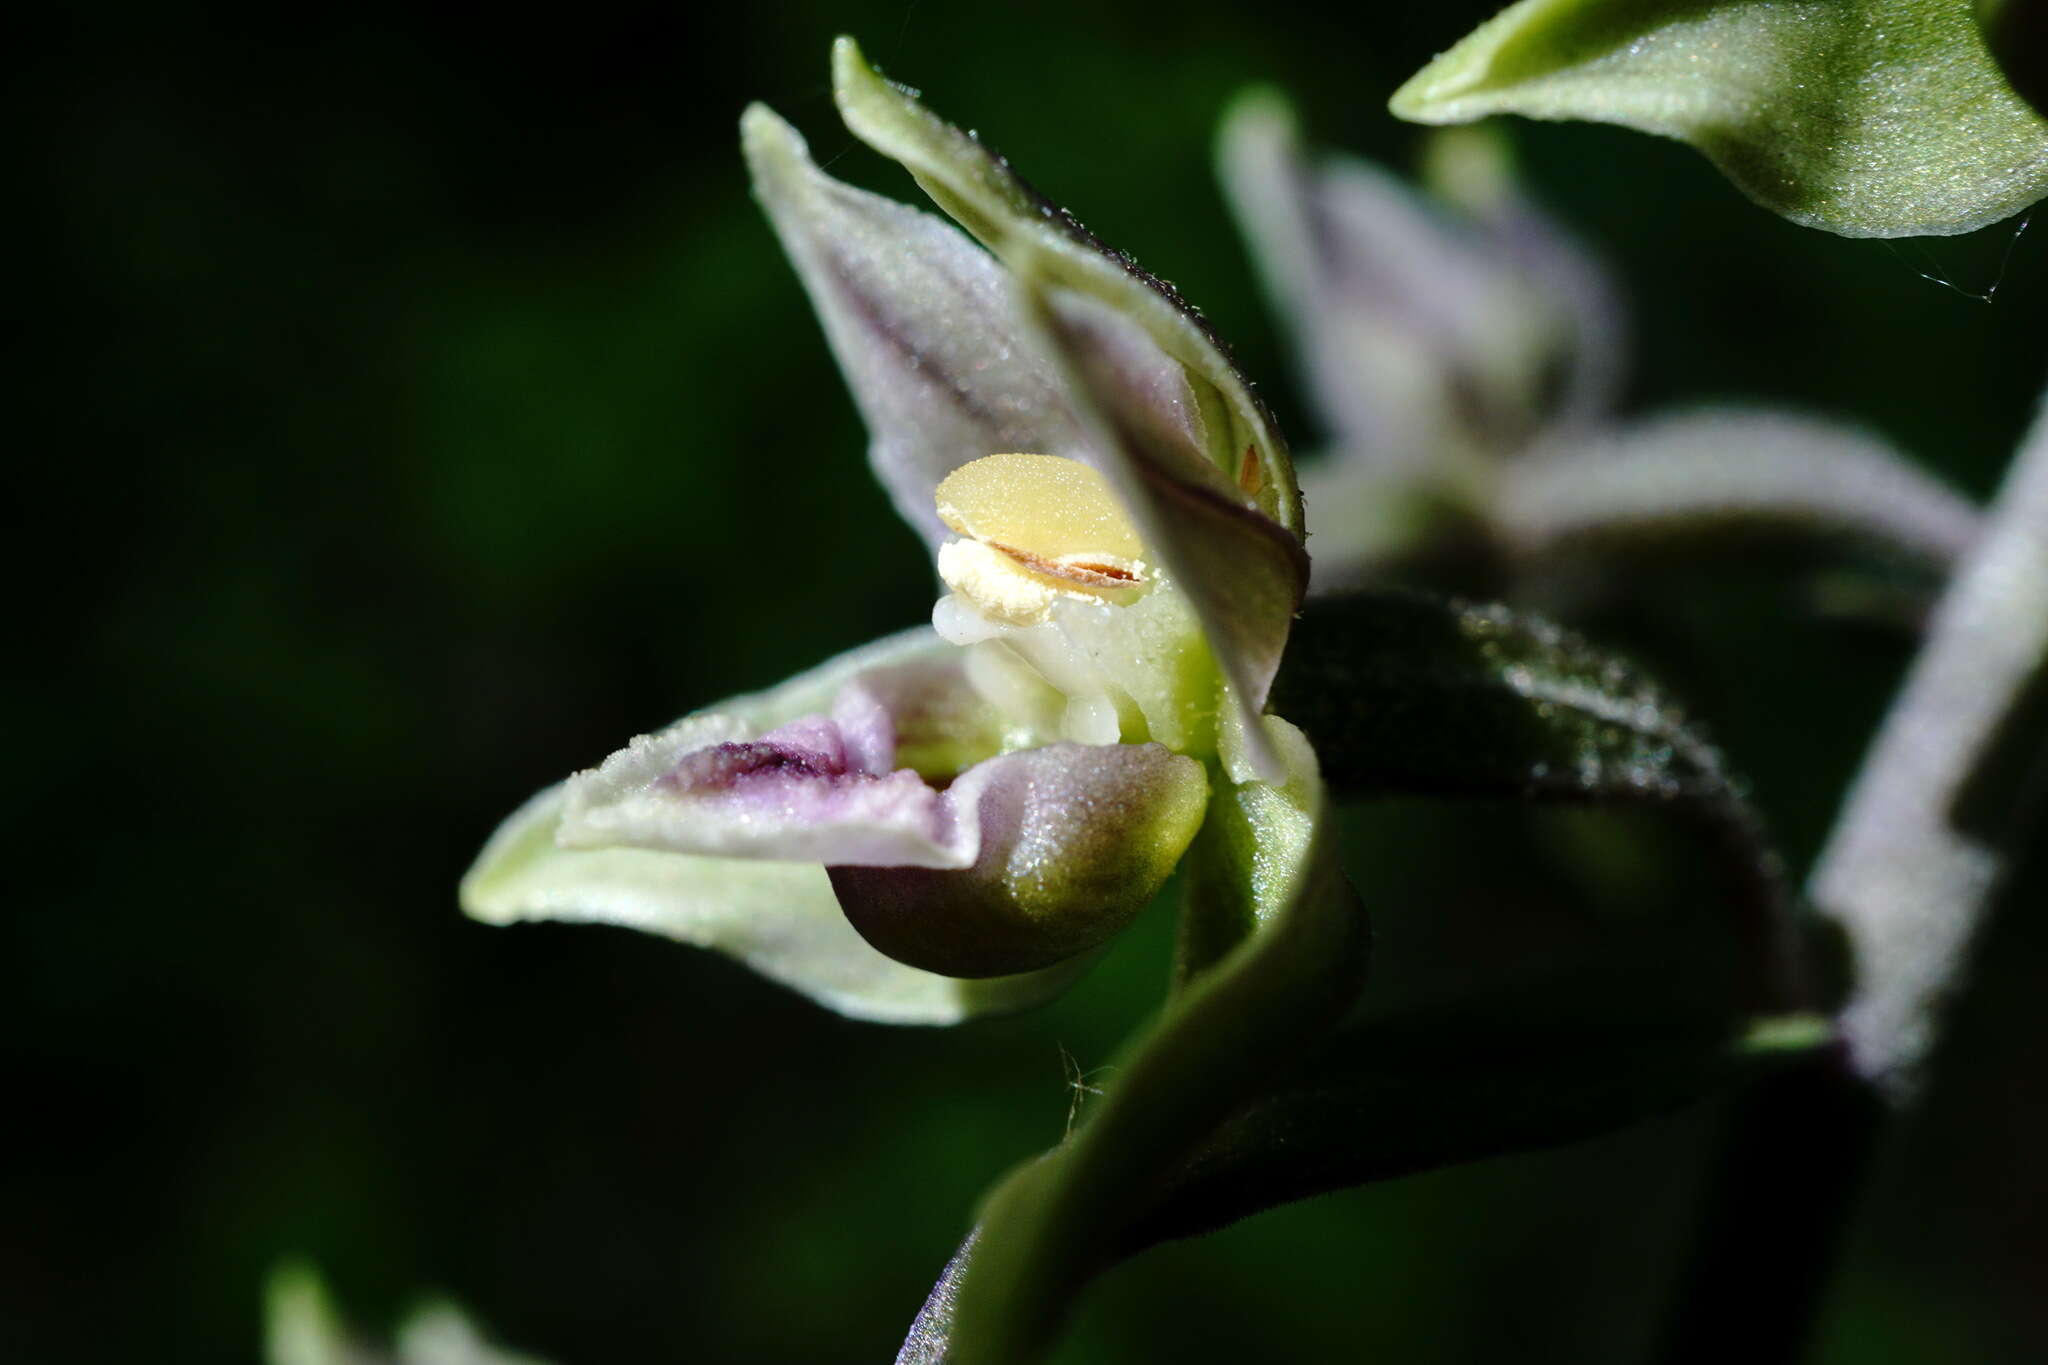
column 1038, row 527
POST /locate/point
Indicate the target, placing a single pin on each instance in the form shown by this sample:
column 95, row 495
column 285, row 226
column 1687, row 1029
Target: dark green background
column 413, row 406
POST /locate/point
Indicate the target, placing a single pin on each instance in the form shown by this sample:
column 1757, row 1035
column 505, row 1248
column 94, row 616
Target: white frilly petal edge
column 780, row 919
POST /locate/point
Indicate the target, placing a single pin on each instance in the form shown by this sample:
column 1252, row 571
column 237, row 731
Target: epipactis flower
column 1466, row 353
column 948, row 821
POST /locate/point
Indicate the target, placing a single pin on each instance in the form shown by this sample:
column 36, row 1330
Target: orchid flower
column 953, row 820
column 1466, row 354
column 949, row 821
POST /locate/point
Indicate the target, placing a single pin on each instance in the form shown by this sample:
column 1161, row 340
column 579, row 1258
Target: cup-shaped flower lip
column 782, row 917
column 1074, row 840
column 1016, row 862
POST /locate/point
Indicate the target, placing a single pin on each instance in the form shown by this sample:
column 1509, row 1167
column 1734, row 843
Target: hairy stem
column 933, row 1327
column 1926, row 833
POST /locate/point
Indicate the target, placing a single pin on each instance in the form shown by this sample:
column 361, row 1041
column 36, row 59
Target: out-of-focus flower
column 1466, row 354
column 304, row 1329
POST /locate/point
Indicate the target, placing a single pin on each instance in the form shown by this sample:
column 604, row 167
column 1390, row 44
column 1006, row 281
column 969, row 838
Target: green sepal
column 978, row 189
column 1867, row 118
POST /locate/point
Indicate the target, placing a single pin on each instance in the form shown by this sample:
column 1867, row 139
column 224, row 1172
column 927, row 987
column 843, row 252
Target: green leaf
column 1868, row 118
column 1265, row 860
column 1405, row 694
column 1509, row 1073
column 1411, row 695
column 1231, row 1108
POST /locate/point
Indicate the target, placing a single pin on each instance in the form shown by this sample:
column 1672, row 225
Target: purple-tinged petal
column 780, row 919
column 820, row 788
column 829, row 767
column 793, row 794
column 920, row 319
column 1074, row 840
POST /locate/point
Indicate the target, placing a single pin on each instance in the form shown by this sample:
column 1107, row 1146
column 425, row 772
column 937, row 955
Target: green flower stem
column 1057, row 1221
column 1925, row 837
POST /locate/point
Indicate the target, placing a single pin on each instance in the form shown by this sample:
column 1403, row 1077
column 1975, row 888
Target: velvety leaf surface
column 1407, row 694
column 1416, row 696
column 1869, row 118
column 1508, row 1074
column 1411, row 695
